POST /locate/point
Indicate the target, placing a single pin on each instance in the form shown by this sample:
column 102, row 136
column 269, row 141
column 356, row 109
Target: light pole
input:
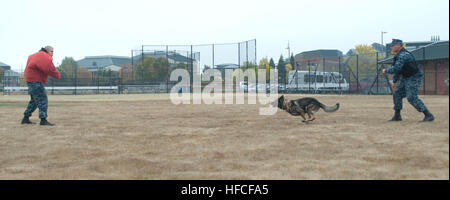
column 382, row 33
column 289, row 50
column 98, row 80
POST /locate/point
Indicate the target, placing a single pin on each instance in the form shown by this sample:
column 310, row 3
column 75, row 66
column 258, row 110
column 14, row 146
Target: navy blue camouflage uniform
column 408, row 77
column 38, row 99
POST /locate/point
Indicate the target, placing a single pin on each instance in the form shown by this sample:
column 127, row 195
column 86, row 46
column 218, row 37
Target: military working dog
column 304, row 106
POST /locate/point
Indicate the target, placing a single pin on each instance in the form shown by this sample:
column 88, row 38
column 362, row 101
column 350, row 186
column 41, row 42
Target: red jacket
column 39, row 67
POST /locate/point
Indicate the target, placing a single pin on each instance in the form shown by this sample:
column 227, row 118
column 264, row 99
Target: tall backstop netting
column 152, row 65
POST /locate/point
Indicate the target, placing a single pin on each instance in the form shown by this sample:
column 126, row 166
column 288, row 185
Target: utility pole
column 289, row 50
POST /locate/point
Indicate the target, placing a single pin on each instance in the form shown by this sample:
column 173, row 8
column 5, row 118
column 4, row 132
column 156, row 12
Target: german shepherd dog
column 307, row 105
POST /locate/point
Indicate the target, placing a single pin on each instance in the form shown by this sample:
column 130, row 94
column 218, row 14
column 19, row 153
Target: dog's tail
column 330, row 108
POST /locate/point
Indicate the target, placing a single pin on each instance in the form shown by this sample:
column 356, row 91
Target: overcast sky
column 88, row 28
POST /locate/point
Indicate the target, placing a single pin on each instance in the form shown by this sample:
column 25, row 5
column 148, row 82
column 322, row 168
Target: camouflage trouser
column 408, row 87
column 38, row 99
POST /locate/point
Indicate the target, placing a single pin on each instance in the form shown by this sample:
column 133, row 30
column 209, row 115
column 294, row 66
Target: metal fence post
column 323, row 75
column 340, row 75
column 6, row 84
column 435, row 78
column 256, row 70
column 132, row 65
column 309, row 77
column 192, row 72
column 246, row 60
column 357, row 74
column 76, row 83
column 424, row 71
column 239, row 64
column 98, row 81
column 377, row 74
column 168, row 70
column 142, row 63
column 296, row 76
column 315, row 76
column 212, row 56
column 53, row 85
column 119, row 87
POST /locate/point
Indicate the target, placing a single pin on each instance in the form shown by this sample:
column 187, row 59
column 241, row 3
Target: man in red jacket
column 39, row 67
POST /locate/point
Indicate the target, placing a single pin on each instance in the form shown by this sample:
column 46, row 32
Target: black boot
column 44, row 122
column 26, row 120
column 397, row 116
column 428, row 116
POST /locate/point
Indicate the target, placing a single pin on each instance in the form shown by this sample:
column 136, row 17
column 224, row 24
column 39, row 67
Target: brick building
column 323, row 57
column 433, row 60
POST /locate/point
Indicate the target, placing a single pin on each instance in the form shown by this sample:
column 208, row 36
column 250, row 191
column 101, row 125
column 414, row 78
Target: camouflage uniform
column 38, row 99
column 408, row 77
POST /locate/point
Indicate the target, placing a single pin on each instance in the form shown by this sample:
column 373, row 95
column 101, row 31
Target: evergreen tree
column 292, row 61
column 271, row 63
column 281, row 70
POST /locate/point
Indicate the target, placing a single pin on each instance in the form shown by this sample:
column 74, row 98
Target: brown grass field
column 147, row 137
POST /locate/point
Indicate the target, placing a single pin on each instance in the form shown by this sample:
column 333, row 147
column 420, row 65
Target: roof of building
column 11, row 73
column 91, row 62
column 323, row 53
column 227, row 66
column 433, row 51
column 3, row 64
column 175, row 56
column 416, row 43
column 409, row 45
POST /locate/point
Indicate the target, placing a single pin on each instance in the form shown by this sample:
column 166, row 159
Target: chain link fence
column 151, row 66
column 150, row 69
column 357, row 74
